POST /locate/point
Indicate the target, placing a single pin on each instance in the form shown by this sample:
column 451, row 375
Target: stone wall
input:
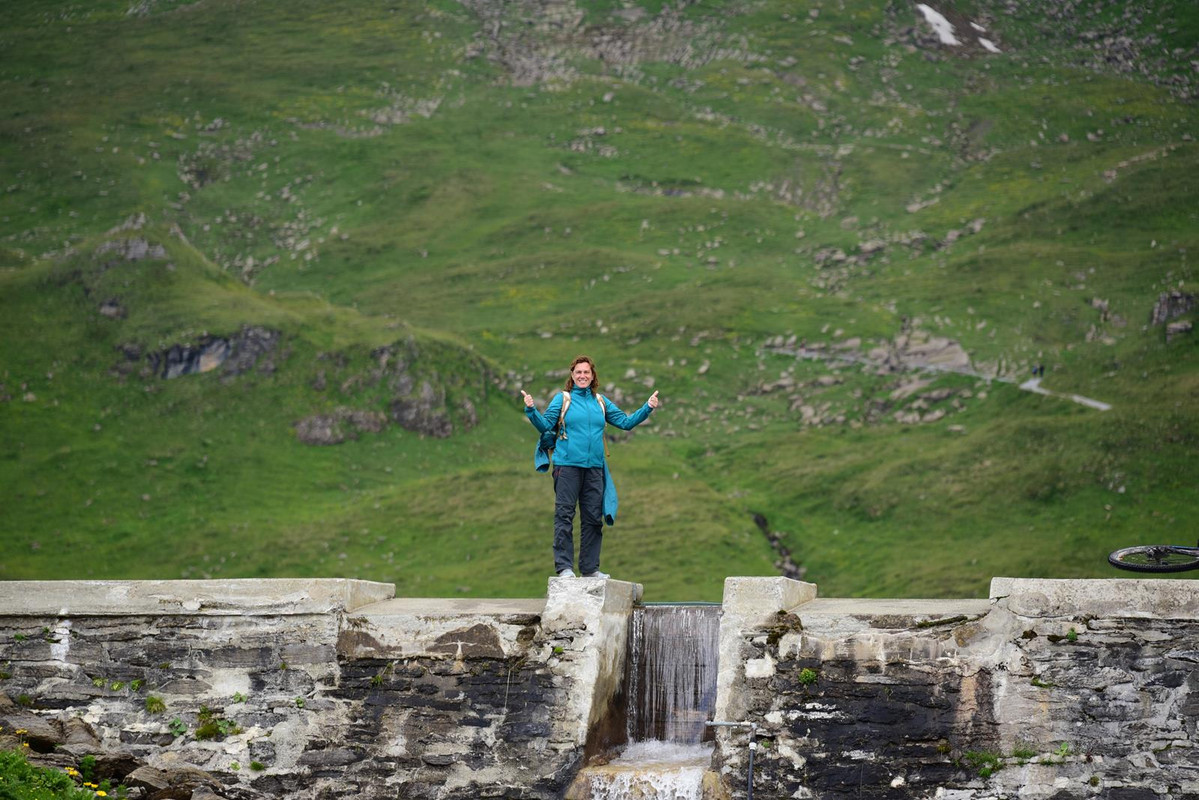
column 1049, row 689
column 316, row 689
column 330, row 688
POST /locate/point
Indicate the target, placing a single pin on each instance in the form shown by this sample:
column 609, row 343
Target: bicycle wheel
column 1155, row 558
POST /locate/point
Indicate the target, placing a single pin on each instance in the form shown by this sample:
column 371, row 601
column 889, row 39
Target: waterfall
column 670, row 690
column 671, row 672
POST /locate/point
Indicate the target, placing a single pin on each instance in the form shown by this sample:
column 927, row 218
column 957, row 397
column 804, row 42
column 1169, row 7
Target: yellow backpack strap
column 562, row 415
column 604, row 411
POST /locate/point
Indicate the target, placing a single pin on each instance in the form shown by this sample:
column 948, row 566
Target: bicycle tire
column 1154, row 558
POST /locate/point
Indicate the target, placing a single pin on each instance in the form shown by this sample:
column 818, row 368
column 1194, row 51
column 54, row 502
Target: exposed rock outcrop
column 423, row 411
column 240, row 353
column 340, row 425
column 428, row 388
column 135, row 249
column 1170, row 305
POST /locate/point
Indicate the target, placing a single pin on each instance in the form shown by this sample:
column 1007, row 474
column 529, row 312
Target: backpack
column 561, row 430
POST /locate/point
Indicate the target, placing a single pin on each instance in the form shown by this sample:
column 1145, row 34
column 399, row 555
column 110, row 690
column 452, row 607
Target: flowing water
column 670, row 686
column 671, row 672
column 652, row 771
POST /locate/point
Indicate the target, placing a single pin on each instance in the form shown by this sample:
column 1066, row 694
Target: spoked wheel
column 1155, row 558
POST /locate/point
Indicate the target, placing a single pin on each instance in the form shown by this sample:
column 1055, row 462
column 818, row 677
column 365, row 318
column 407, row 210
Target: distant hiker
column 573, row 431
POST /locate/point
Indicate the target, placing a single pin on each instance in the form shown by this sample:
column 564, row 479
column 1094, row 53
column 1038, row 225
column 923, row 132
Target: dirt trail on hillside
column 1031, row 385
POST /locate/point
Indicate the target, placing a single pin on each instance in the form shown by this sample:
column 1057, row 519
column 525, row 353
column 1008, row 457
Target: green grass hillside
column 272, row 275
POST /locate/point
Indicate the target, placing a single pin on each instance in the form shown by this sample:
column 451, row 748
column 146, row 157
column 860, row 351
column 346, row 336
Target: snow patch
column 941, row 26
column 945, row 30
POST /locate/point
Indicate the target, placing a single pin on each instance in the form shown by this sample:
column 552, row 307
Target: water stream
column 652, row 771
column 670, row 686
column 671, row 672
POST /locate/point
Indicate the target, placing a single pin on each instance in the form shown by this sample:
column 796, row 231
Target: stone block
column 754, row 601
column 333, row 757
column 574, row 603
column 301, row 654
column 148, row 778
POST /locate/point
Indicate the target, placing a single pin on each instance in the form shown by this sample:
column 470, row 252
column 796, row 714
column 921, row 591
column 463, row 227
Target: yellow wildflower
column 21, row 730
column 101, row 794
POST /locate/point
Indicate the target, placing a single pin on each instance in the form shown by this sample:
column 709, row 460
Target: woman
column 579, row 463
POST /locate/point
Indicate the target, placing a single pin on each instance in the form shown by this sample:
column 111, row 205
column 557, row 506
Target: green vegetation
column 1063, row 752
column 214, row 726
column 19, row 778
column 410, row 224
column 1023, row 752
column 155, row 705
column 984, row 762
column 808, row 676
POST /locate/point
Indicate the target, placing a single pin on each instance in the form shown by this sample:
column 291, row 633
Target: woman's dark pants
column 582, row 486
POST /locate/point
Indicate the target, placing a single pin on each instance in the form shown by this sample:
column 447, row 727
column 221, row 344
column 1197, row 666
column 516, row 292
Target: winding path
column 1034, row 385
column 1031, row 385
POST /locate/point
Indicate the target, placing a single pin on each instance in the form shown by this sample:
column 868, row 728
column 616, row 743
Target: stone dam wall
column 334, row 688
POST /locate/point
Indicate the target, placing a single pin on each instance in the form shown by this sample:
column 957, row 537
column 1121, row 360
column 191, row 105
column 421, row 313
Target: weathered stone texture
column 1049, row 689
column 409, row 699
column 1031, row 696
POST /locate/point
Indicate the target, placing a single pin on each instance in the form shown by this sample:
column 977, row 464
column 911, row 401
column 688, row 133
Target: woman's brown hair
column 570, row 383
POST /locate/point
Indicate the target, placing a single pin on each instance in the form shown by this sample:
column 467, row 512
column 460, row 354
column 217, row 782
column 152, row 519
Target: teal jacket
column 580, row 443
column 585, row 425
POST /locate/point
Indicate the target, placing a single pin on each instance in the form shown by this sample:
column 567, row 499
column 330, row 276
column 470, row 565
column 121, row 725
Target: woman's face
column 581, row 375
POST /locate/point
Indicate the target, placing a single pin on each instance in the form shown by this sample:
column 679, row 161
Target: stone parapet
column 1057, row 689
column 1062, row 689
column 238, row 596
column 1121, row 598
column 322, row 689
column 591, row 616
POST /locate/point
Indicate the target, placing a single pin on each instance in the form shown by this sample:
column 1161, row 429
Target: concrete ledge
column 236, row 597
column 1107, row 597
column 754, row 600
column 434, row 607
column 572, row 602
